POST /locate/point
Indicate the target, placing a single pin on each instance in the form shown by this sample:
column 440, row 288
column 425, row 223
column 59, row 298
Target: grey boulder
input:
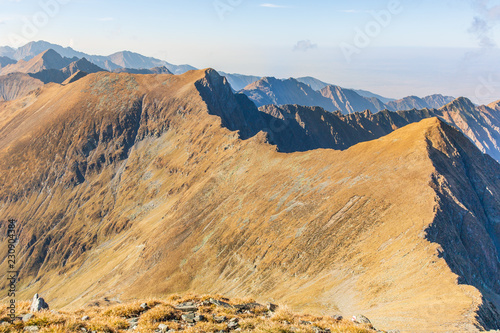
column 38, row 304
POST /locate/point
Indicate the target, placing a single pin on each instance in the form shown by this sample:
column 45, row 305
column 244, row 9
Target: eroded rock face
column 135, row 174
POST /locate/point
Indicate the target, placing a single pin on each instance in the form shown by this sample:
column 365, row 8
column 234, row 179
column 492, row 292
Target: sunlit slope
column 128, row 186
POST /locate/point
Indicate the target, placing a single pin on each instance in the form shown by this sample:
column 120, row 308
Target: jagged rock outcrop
column 131, row 184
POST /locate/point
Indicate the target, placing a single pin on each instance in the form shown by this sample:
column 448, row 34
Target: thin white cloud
column 487, row 16
column 304, row 45
column 272, row 5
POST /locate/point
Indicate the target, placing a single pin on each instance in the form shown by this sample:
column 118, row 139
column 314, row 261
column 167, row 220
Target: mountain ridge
column 32, row 49
column 134, row 61
column 145, row 173
column 333, row 98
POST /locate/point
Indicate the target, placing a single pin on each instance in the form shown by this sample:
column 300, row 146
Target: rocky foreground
column 176, row 314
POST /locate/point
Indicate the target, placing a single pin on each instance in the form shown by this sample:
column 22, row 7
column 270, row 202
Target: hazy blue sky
column 414, row 47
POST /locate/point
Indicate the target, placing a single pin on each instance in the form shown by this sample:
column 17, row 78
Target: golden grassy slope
column 188, row 206
column 120, row 317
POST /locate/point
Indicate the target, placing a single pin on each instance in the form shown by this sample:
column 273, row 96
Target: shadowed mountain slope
column 13, row 86
column 127, row 185
column 75, row 77
column 299, row 128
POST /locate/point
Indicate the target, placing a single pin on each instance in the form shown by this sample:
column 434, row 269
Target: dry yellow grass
column 115, row 318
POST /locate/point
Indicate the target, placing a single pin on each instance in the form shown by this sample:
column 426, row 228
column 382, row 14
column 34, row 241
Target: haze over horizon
column 393, row 48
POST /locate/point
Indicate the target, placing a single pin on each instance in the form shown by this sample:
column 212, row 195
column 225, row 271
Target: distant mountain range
column 318, row 85
column 154, row 70
column 50, row 66
column 46, row 67
column 125, row 61
column 269, row 90
column 48, row 59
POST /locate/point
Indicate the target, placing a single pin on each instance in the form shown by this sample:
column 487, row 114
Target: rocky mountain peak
column 460, row 103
